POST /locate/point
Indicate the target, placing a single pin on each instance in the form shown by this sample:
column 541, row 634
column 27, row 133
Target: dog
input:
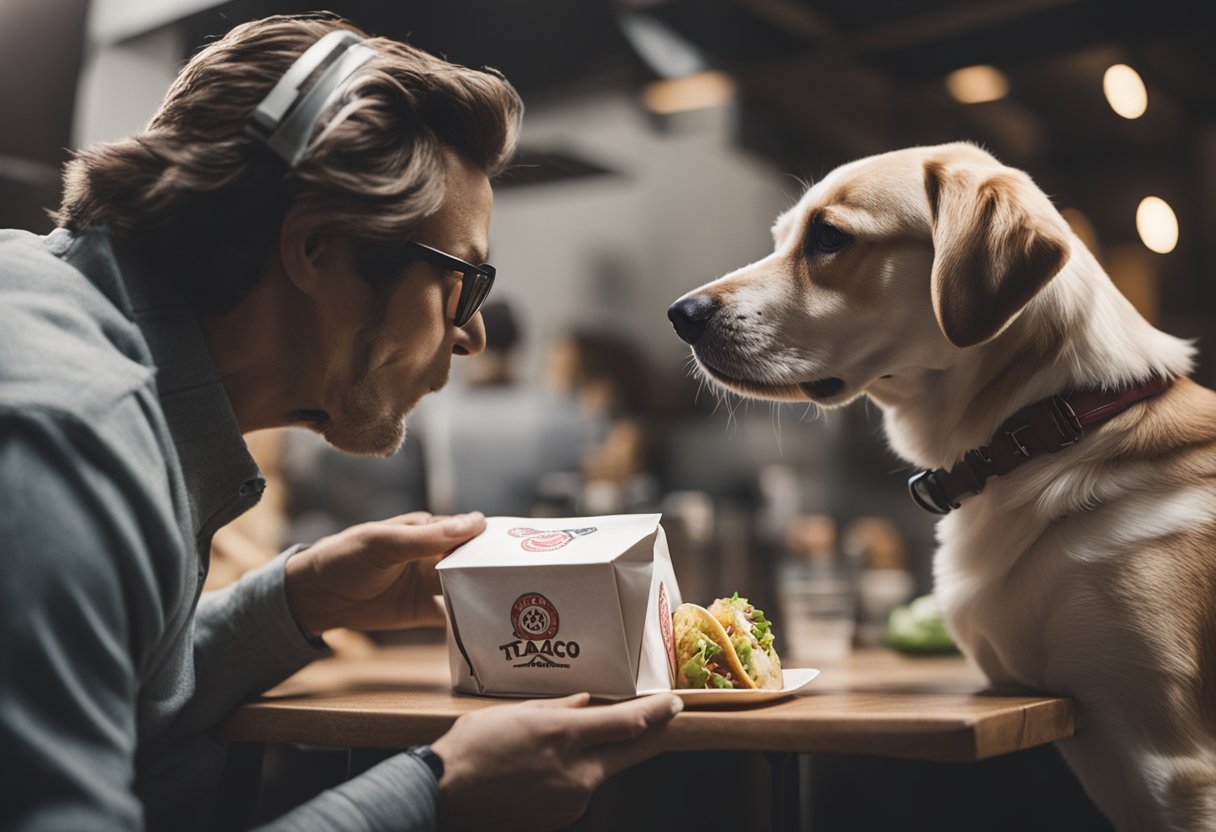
column 946, row 287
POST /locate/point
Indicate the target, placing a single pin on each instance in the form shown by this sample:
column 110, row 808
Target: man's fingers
column 461, row 526
column 396, row 542
column 624, row 721
column 430, row 612
column 428, row 579
column 611, row 759
column 629, row 737
column 574, row 700
column 414, row 518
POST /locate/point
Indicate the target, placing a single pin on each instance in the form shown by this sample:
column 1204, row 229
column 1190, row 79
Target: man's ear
column 997, row 241
column 301, row 247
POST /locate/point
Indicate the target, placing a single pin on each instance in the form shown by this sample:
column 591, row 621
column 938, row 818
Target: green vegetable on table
column 919, row 627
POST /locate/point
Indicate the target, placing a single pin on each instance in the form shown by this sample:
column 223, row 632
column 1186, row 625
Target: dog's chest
column 999, row 577
column 996, row 621
column 1028, row 597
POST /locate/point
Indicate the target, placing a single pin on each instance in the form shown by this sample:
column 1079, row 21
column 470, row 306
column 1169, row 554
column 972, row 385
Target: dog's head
column 892, row 262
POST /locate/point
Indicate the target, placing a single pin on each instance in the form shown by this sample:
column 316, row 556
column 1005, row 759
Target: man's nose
column 690, row 316
column 470, row 338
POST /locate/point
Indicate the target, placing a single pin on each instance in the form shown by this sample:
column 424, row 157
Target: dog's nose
column 691, row 315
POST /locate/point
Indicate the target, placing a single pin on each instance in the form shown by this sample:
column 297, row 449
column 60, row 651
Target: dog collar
column 1044, row 427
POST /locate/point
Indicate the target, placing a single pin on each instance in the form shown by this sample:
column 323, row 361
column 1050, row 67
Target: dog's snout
column 691, row 315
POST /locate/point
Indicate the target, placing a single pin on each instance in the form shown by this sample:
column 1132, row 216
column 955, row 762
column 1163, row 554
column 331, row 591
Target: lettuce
column 743, row 647
column 762, row 628
column 695, row 668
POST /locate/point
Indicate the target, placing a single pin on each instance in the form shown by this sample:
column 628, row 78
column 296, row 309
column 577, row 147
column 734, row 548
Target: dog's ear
column 997, row 241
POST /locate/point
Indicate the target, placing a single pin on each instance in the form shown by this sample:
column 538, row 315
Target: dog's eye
column 827, row 238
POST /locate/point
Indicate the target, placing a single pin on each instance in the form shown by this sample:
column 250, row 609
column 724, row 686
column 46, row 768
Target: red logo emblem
column 535, row 540
column 533, row 617
column 669, row 639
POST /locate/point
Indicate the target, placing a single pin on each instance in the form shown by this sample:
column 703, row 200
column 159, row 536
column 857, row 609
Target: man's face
column 390, row 345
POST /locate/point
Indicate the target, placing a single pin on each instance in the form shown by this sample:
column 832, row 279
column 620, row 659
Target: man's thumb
column 463, row 525
column 428, row 539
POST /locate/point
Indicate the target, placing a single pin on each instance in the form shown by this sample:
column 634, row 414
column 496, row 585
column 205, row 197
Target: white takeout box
column 547, row 607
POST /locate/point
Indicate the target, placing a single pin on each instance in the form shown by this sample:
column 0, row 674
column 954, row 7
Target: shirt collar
column 222, row 480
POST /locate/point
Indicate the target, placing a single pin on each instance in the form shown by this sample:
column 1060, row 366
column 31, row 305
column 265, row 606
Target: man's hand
column 536, row 764
column 376, row 576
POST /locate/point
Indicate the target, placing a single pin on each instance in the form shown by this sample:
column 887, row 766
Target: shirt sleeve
column 68, row 650
column 245, row 642
column 78, row 618
column 398, row 795
column 247, row 637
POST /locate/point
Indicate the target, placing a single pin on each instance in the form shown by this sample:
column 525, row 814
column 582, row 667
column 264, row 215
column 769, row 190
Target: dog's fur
column 961, row 297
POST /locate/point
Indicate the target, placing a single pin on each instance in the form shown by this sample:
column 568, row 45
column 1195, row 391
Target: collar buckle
column 927, row 493
column 1065, row 420
column 1019, row 447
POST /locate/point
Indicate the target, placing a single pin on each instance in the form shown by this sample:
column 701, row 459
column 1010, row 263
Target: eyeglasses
column 475, row 281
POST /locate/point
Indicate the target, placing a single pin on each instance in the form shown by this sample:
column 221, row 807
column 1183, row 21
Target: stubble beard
column 366, row 425
column 367, row 422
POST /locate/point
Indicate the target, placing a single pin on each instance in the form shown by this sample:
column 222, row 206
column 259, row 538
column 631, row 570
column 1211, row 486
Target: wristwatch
column 428, row 756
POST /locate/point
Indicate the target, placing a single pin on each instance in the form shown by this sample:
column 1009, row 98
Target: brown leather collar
column 1044, row 427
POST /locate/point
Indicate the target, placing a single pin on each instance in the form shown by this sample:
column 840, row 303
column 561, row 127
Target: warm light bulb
column 1125, row 91
column 692, row 92
column 1157, row 224
column 977, row 84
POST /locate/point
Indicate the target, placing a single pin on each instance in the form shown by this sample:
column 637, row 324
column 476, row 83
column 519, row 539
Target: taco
column 729, row 645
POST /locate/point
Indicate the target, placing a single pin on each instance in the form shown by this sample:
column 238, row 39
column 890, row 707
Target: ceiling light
column 1125, row 91
column 977, row 84
column 692, row 92
column 1157, row 224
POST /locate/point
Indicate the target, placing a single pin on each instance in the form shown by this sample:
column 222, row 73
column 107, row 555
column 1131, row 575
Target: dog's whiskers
column 732, row 421
column 775, row 410
column 811, row 407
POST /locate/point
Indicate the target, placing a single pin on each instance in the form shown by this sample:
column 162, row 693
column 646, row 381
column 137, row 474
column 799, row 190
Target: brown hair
column 205, row 200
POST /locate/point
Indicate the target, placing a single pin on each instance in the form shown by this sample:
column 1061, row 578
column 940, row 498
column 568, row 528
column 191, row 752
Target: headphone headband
column 287, row 115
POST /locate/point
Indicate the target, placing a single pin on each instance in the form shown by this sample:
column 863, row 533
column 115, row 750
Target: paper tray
column 795, row 678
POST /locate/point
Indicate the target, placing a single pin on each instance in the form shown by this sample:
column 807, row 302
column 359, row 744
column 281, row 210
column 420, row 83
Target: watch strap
column 429, row 758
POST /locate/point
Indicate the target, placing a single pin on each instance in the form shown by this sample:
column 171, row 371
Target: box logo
column 534, row 622
column 536, row 540
column 665, row 627
column 533, row 617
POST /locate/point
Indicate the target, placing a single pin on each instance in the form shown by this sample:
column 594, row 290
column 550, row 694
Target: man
column 250, row 260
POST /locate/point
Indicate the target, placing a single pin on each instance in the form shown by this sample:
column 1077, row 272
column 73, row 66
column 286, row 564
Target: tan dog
column 948, row 289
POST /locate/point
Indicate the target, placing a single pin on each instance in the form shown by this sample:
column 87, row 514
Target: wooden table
column 876, row 703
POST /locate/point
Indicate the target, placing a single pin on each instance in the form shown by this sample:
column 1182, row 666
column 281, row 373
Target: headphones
column 285, row 119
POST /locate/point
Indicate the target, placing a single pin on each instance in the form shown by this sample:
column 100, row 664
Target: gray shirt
column 120, row 456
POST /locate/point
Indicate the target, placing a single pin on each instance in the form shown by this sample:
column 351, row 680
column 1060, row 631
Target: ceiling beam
column 948, row 23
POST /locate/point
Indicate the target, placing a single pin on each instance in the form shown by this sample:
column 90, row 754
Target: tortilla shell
column 767, row 668
column 689, row 622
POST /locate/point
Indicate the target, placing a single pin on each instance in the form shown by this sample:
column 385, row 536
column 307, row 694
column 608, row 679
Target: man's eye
column 827, row 238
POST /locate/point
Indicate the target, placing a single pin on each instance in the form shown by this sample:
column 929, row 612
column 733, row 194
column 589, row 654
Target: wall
column 686, row 208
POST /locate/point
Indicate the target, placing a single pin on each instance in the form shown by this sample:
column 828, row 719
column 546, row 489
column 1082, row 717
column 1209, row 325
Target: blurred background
column 661, row 139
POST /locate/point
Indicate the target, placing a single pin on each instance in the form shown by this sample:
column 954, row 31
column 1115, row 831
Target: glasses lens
column 474, row 293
